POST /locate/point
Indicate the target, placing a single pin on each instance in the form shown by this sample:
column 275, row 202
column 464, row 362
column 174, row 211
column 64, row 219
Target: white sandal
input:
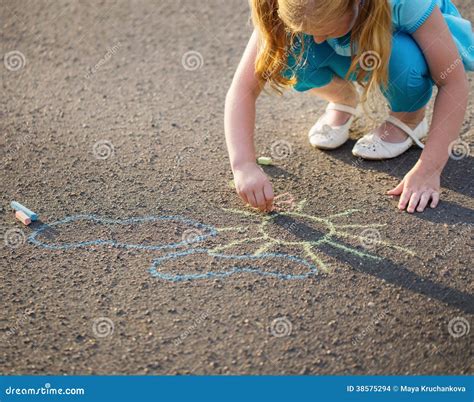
column 371, row 146
column 324, row 136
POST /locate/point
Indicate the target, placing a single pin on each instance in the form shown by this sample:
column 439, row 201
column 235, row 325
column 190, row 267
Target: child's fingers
column 259, row 197
column 414, row 199
column 434, row 199
column 268, row 192
column 425, row 198
column 404, row 198
column 397, row 190
column 251, row 198
column 242, row 195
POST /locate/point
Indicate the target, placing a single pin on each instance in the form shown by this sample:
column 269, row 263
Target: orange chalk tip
column 22, row 217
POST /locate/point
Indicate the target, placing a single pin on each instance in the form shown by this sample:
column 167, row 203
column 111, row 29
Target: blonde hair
column 280, row 24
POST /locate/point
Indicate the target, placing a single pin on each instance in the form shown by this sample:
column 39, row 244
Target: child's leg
column 337, row 91
column 409, row 89
column 391, row 133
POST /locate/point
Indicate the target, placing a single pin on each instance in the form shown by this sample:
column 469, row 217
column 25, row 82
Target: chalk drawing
column 247, row 262
column 333, row 231
column 312, row 269
column 33, row 238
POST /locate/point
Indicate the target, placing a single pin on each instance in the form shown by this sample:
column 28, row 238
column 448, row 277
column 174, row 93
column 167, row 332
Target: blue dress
column 409, row 15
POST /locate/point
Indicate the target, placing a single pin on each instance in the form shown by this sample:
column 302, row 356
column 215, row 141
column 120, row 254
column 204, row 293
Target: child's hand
column 418, row 187
column 253, row 186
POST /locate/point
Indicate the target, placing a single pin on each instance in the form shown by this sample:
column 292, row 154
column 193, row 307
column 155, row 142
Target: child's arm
column 422, row 182
column 251, row 183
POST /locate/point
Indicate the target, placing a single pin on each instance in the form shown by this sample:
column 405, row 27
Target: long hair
column 273, row 44
column 281, row 23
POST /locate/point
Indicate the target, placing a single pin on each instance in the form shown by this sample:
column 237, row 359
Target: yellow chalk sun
column 327, row 234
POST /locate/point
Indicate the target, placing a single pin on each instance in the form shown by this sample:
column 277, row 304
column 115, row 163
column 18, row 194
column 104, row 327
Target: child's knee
column 410, row 84
column 406, row 55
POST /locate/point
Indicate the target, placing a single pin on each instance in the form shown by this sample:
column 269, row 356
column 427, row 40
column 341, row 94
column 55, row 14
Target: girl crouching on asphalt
column 403, row 47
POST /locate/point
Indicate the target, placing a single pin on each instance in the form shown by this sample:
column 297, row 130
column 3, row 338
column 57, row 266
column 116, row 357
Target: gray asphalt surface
column 108, row 114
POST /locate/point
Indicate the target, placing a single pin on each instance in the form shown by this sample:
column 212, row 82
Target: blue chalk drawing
column 312, row 269
column 244, row 263
column 210, row 231
column 33, row 238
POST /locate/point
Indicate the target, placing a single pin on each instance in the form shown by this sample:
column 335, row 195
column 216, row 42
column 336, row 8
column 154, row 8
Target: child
column 401, row 46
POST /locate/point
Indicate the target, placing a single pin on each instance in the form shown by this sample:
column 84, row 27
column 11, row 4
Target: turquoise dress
column 409, row 15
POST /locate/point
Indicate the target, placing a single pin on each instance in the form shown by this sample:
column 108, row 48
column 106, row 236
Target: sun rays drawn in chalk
column 327, row 234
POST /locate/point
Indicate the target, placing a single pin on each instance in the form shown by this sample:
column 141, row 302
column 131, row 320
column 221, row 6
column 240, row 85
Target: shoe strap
column 342, row 108
column 402, row 126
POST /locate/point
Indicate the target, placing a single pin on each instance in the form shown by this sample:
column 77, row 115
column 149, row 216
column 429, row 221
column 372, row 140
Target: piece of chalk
column 18, row 207
column 264, row 160
column 22, row 217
